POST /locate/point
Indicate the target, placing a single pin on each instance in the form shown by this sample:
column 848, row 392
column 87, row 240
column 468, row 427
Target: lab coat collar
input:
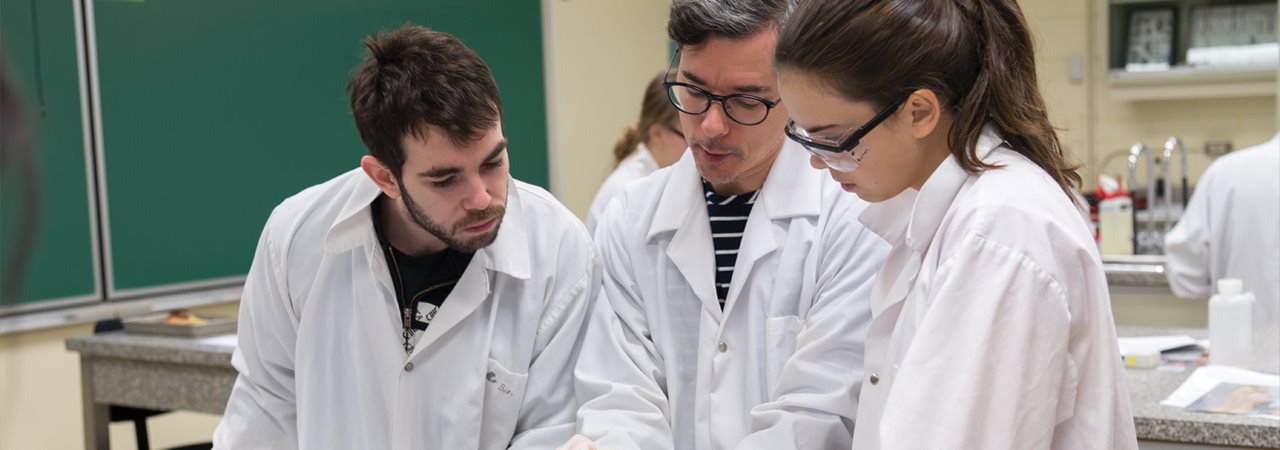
column 911, row 219
column 793, row 188
column 788, row 191
column 353, row 228
column 509, row 253
column 682, row 195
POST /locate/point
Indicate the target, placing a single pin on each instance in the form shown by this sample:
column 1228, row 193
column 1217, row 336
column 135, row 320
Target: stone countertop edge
column 153, row 348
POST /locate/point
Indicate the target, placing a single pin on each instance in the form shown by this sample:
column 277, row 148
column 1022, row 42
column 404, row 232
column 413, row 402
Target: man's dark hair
column 412, row 77
column 691, row 21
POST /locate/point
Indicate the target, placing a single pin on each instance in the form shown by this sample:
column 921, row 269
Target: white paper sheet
column 1206, row 378
column 225, row 340
column 1152, row 344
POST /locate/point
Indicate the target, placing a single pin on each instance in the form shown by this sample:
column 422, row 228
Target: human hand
column 578, row 442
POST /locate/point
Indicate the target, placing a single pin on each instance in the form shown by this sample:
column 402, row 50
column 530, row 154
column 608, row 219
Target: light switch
column 1075, row 69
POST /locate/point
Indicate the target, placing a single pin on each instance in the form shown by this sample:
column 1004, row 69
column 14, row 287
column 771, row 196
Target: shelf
column 1183, row 83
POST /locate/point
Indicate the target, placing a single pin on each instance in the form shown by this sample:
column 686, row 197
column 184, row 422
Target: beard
column 451, row 235
column 724, row 172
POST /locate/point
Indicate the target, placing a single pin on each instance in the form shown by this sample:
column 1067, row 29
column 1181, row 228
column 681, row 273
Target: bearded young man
column 425, row 300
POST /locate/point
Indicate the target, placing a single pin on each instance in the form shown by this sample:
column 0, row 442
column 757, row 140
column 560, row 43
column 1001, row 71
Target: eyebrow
column 440, row 172
column 747, row 89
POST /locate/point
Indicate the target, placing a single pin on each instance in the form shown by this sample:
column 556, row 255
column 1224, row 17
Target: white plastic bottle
column 1115, row 217
column 1231, row 325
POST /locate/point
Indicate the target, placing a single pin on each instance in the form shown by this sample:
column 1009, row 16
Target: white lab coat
column 992, row 322
column 320, row 356
column 663, row 367
column 1231, row 229
column 637, row 165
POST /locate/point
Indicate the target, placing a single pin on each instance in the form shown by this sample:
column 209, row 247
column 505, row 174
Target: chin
column 476, row 243
column 874, row 196
column 718, row 176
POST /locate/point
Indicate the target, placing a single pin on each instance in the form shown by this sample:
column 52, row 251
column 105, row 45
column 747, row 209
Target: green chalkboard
column 39, row 46
column 215, row 111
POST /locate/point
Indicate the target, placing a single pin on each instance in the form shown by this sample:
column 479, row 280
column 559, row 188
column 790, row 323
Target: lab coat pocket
column 780, row 344
column 503, row 394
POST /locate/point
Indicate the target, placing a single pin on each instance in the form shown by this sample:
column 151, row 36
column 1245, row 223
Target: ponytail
column 655, row 109
column 975, row 55
column 1006, row 91
column 626, row 144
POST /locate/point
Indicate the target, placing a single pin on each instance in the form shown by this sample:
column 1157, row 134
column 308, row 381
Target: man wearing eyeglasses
column 736, row 282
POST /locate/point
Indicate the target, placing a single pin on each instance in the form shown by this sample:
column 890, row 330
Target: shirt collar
column 353, row 228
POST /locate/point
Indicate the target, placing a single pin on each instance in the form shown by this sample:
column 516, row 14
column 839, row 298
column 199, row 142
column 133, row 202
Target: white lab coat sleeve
column 989, row 367
column 620, row 375
column 815, row 400
column 548, row 410
column 262, row 410
column 1187, row 245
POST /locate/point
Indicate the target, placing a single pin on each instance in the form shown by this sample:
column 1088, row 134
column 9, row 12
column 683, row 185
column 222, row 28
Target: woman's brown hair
column 655, row 109
column 975, row 55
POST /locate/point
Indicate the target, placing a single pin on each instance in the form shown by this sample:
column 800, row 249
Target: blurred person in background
column 1231, row 229
column 654, row 142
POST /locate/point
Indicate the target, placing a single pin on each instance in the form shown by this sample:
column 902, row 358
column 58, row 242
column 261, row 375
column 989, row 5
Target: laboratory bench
column 193, row 374
column 149, row 371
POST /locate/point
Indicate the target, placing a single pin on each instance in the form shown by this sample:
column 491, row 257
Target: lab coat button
column 723, row 347
column 875, row 379
column 408, row 367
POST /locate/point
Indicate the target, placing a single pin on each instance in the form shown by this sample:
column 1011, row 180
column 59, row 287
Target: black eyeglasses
column 744, row 109
column 836, row 152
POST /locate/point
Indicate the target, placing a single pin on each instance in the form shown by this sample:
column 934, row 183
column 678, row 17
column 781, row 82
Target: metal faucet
column 1169, row 146
column 1140, row 149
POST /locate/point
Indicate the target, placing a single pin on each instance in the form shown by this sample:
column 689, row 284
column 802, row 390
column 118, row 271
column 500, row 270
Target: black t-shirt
column 422, row 282
column 426, row 280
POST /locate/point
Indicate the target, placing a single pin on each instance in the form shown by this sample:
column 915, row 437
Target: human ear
column 925, row 111
column 381, row 176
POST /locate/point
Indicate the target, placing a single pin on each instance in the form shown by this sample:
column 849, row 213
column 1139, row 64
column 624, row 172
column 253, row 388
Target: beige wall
column 1056, row 28
column 40, row 396
column 1155, row 309
column 600, row 55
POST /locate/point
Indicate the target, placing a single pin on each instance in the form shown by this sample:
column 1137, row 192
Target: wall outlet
column 1217, row 147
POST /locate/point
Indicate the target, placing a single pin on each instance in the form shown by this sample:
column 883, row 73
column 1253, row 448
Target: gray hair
column 691, row 21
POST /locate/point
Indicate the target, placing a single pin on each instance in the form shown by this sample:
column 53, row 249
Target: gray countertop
column 1156, row 422
column 153, row 348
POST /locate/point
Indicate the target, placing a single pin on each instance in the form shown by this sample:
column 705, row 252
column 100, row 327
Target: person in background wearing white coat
column 426, row 301
column 735, row 281
column 992, row 324
column 1231, row 229
column 652, row 143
